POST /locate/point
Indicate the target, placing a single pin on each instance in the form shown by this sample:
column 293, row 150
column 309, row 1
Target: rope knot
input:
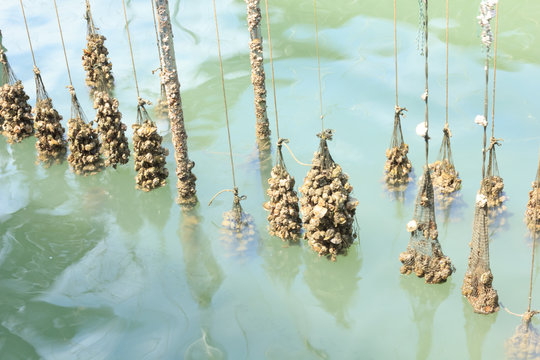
column 71, row 90
column 399, row 110
column 282, row 141
column 142, row 102
column 326, row 134
column 36, row 70
column 446, row 131
column 493, row 141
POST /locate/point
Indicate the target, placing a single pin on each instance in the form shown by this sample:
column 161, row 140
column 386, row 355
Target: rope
column 426, row 137
column 63, row 45
column 157, row 35
column 494, row 69
column 224, row 95
column 89, row 17
column 395, row 51
column 272, row 66
column 28, row 34
column 318, row 62
column 292, row 154
column 485, row 117
column 446, row 79
column 131, row 51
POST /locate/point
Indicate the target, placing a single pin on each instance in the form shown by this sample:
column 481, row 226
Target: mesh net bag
column 532, row 214
column 111, row 129
column 161, row 109
column 284, row 218
column 51, row 144
column 328, row 210
column 95, row 59
column 84, row 146
column 445, row 178
column 525, row 343
column 15, row 113
column 238, row 228
column 493, row 184
column 424, row 255
column 150, row 156
column 477, row 285
column 397, row 166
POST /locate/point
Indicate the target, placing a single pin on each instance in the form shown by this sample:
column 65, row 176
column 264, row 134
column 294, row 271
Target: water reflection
column 424, row 300
column 476, row 328
column 524, row 344
column 334, row 284
column 282, row 260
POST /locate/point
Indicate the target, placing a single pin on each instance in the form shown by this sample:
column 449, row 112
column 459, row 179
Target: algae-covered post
column 262, row 129
column 186, row 179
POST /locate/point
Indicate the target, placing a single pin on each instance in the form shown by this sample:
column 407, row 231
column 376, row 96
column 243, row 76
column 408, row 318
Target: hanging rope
column 318, row 63
column 131, row 51
column 426, row 94
column 157, row 35
column 446, row 75
column 272, row 67
column 28, row 34
column 494, row 70
column 395, row 51
column 63, row 45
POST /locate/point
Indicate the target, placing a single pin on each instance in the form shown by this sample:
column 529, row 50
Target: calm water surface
column 91, row 268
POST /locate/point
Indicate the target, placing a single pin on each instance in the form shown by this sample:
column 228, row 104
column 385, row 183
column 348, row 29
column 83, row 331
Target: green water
column 91, row 268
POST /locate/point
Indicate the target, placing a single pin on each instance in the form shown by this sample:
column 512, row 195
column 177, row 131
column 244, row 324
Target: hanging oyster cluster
column 446, row 180
column 284, row 218
column 327, row 207
column 493, row 190
column 161, row 109
column 532, row 214
column 150, row 157
column 479, row 291
column 238, row 229
column 397, row 166
column 434, row 268
column 97, row 64
column 16, row 112
column 84, row 146
column 51, row 144
column 111, row 129
column 525, row 343
column 487, row 12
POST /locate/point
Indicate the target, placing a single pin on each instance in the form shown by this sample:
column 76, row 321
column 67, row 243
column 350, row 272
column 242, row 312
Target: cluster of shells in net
column 284, row 218
column 327, row 208
column 397, row 166
column 446, row 181
column 15, row 112
column 238, row 230
column 524, row 344
column 478, row 289
column 84, row 146
column 161, row 109
column 532, row 214
column 150, row 157
column 51, row 144
column 111, row 129
column 434, row 269
column 492, row 188
column 97, row 64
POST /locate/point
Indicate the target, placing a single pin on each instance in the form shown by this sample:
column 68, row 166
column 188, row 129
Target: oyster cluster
column 111, row 129
column 51, row 144
column 15, row 112
column 492, row 188
column 434, row 269
column 84, row 147
column 284, row 219
column 477, row 288
column 397, row 166
column 524, row 344
column 532, row 214
column 97, row 64
column 150, row 157
column 161, row 109
column 445, row 180
column 327, row 208
column 238, row 230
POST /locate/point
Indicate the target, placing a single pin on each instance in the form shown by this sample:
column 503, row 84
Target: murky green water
column 90, row 268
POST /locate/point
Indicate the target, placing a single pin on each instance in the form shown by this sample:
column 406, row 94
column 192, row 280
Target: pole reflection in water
column 424, row 303
column 476, row 328
column 204, row 277
column 334, row 284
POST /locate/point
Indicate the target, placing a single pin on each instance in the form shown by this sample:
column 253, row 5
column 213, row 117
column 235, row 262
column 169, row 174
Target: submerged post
column 169, row 76
column 262, row 128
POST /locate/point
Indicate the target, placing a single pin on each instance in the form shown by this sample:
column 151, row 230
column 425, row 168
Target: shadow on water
column 282, row 260
column 334, row 284
column 476, row 328
column 425, row 300
column 204, row 277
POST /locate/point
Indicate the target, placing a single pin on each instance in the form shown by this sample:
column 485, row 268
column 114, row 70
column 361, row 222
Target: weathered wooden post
column 169, row 75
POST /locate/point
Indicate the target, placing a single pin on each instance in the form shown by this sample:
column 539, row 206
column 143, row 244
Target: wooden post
column 169, row 76
column 262, row 129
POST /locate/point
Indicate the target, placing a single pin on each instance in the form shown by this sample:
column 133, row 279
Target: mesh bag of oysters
column 95, row 59
column 238, row 228
column 111, row 129
column 446, row 181
column 16, row 120
column 525, row 343
column 51, row 144
column 328, row 209
column 424, row 255
column 493, row 185
column 150, row 156
column 532, row 214
column 397, row 166
column 477, row 284
column 284, row 218
column 161, row 109
column 84, row 146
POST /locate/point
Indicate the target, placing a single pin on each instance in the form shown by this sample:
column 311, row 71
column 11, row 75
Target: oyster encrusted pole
column 169, row 75
column 262, row 127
